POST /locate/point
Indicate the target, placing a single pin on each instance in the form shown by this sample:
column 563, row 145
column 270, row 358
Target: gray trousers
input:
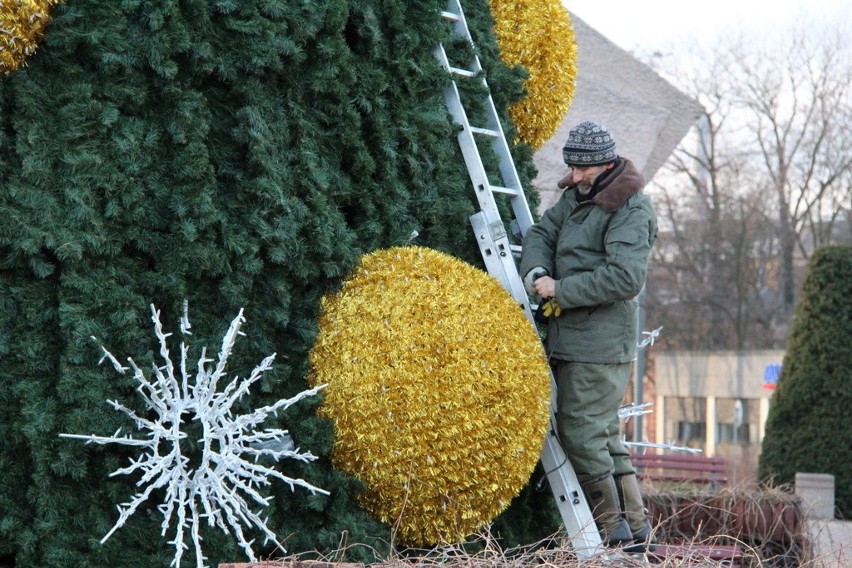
column 587, row 400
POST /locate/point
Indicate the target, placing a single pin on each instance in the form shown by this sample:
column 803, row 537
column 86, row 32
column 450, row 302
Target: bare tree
column 709, row 276
column 795, row 92
column 763, row 180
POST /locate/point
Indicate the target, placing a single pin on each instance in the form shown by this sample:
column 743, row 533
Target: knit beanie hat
column 589, row 144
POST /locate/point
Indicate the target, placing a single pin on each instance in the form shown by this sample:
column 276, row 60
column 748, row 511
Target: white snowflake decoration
column 221, row 488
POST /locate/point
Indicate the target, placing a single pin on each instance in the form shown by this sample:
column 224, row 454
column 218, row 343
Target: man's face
column 585, row 176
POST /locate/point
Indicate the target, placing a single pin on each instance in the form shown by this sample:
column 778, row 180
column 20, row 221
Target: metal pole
column 638, row 386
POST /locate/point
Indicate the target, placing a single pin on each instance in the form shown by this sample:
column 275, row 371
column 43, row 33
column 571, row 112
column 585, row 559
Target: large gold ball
column 438, row 389
column 538, row 35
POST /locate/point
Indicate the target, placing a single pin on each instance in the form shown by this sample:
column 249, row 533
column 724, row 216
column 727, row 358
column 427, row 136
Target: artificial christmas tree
column 234, row 155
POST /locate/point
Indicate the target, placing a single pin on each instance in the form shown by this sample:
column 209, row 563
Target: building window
column 688, row 431
column 726, row 432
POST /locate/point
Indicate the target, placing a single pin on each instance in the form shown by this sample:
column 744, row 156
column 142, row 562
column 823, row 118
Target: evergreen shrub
column 807, row 429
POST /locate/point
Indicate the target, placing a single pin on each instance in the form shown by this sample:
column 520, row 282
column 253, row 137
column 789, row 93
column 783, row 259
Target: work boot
column 602, row 496
column 630, row 498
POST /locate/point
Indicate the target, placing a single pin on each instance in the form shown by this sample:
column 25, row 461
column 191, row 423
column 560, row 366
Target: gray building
column 714, row 401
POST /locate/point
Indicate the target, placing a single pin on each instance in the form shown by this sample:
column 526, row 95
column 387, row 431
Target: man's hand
column 545, row 287
column 533, row 275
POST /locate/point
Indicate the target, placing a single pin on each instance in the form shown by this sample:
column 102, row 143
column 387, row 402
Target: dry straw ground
column 765, row 526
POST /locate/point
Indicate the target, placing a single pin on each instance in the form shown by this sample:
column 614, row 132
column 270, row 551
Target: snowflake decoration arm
column 224, row 486
column 650, row 339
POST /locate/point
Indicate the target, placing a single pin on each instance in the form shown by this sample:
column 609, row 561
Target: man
column 589, row 255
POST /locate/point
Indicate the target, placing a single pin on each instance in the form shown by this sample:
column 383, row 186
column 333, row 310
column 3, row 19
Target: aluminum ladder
column 499, row 256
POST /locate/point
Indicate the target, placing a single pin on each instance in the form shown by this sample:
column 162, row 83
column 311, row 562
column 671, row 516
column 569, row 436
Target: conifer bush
column 807, row 429
column 234, row 154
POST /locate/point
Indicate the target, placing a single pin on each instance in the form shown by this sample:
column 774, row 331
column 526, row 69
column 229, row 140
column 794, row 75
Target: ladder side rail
column 573, row 509
column 455, row 13
column 508, row 171
column 470, row 150
column 500, row 146
column 497, row 254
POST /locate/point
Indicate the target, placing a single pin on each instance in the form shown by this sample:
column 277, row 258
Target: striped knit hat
column 589, row 144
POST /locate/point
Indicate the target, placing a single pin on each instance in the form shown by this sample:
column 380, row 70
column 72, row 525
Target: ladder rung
column 504, row 190
column 450, row 16
column 516, row 249
column 462, row 72
column 484, row 131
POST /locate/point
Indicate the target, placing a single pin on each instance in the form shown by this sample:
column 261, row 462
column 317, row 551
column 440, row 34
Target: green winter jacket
column 597, row 251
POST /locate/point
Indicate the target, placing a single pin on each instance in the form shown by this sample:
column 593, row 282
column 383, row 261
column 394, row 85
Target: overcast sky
column 648, row 25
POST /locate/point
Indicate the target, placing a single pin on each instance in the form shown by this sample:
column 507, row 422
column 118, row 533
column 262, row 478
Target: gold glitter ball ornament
column 438, row 389
column 538, row 35
column 22, row 24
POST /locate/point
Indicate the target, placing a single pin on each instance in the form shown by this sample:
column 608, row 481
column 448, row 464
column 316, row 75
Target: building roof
column 647, row 116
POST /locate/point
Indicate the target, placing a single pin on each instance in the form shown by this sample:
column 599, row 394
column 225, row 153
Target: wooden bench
column 684, row 468
column 696, row 554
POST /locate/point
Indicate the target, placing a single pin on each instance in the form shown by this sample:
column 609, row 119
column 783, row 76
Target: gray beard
column 584, row 189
